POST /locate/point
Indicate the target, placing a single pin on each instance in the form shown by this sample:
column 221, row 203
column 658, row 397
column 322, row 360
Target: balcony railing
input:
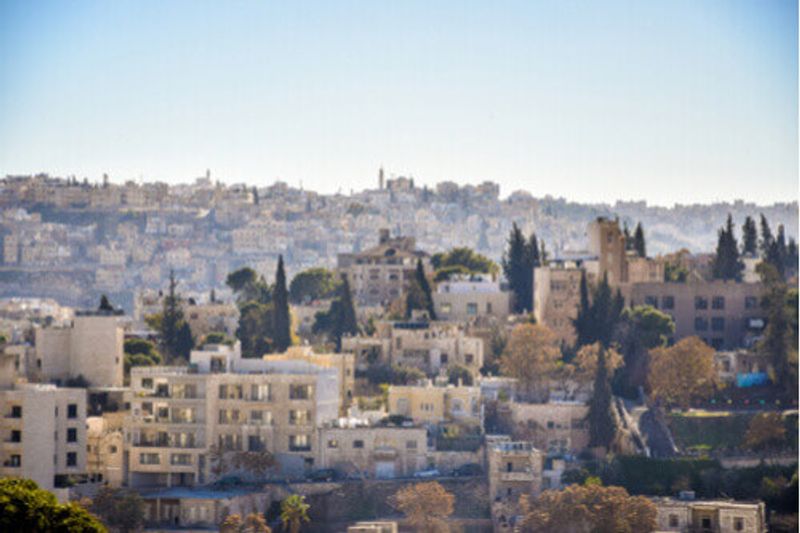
column 516, row 476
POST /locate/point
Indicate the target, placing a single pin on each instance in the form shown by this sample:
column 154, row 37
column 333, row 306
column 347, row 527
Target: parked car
column 468, row 470
column 431, row 472
column 324, row 474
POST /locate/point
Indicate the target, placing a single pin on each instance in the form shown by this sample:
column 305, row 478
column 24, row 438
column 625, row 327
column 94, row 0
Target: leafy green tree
column 641, row 329
column 281, row 320
column 727, row 264
column 749, row 237
column 294, row 511
column 239, row 279
column 638, row 241
column 140, row 352
column 255, row 328
column 313, row 284
column 602, row 422
column 26, row 507
column 217, row 337
column 471, row 261
column 445, row 273
column 120, row 509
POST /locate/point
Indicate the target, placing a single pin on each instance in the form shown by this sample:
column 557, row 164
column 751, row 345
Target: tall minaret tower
column 380, row 178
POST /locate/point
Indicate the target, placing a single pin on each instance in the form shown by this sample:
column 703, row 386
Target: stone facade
column 689, row 516
column 434, row 404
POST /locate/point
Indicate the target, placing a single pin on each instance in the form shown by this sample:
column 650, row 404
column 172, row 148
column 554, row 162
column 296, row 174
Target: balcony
column 516, row 476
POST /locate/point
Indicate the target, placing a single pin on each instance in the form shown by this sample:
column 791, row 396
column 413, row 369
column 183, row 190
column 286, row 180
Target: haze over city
column 667, row 102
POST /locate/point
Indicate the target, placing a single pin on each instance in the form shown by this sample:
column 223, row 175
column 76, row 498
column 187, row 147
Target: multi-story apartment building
column 42, row 430
column 381, row 274
column 91, row 347
column 687, row 515
column 556, row 427
column 515, row 469
column 556, row 297
column 373, row 451
column 428, row 346
column 181, row 417
column 725, row 314
column 434, row 404
column 469, row 298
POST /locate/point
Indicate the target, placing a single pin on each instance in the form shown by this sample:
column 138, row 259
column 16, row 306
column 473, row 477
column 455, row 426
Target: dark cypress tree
column 345, row 322
column 602, row 423
column 184, row 342
column 425, row 288
column 749, row 237
column 777, row 252
column 281, row 321
column 515, row 262
column 627, row 234
column 638, row 241
column 105, row 304
column 791, row 255
column 727, row 265
column 171, row 318
column 583, row 321
column 602, row 314
column 533, row 252
column 766, row 236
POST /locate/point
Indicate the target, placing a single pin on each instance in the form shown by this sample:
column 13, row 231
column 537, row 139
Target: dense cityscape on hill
column 74, row 240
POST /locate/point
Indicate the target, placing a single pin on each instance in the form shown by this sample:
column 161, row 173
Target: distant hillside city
column 74, row 240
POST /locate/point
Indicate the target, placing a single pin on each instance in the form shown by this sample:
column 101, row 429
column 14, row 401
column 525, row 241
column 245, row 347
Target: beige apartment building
column 469, row 298
column 379, row 452
column 435, row 404
column 92, row 347
column 104, row 450
column 556, row 427
column 556, row 297
column 181, row 415
column 429, row 346
column 42, row 430
column 688, row 515
column 381, row 274
column 722, row 313
column 515, row 468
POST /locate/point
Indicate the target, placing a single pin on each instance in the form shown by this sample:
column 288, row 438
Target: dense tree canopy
column 531, row 356
column 26, row 507
column 140, row 352
column 640, row 329
column 120, row 509
column 683, row 373
column 313, row 284
column 426, row 506
column 589, row 508
column 464, row 260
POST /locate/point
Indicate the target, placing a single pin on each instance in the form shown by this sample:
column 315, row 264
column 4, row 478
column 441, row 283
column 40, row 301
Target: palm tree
column 294, row 510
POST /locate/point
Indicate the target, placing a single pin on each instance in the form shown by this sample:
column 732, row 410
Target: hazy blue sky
column 666, row 101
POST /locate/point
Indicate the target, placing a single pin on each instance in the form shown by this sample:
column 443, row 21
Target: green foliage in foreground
column 24, row 507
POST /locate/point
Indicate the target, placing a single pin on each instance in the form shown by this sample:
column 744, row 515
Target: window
column 446, row 309
column 705, row 523
column 472, row 309
column 718, row 323
column 738, row 524
column 16, row 436
column 469, row 358
column 411, row 445
column 260, row 393
column 750, row 302
column 72, row 459
column 112, row 449
column 358, row 444
column 14, row 461
column 299, row 418
column 718, row 302
column 72, row 435
column 488, row 308
column 668, row 302
column 180, row 459
column 700, row 324
column 254, row 443
column 673, row 520
column 299, row 392
column 149, row 458
column 333, row 443
column 147, row 383
column 652, row 301
column 700, row 302
column 72, row 410
column 717, row 343
column 443, row 358
column 16, row 411
column 299, row 443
